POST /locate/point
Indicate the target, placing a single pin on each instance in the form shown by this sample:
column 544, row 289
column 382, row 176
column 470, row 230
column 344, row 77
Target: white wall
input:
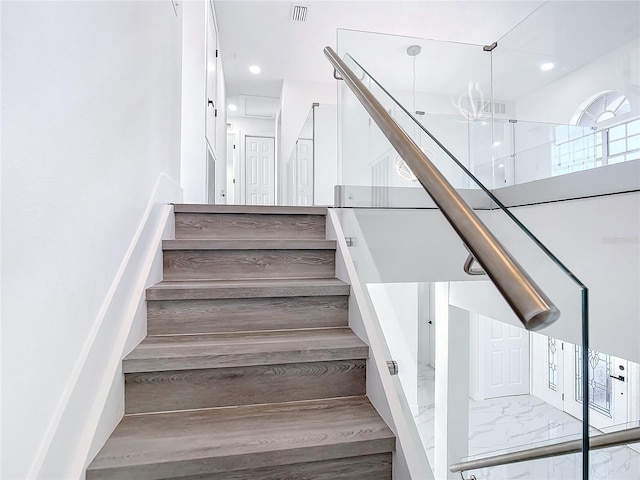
column 195, row 172
column 243, row 127
column 91, row 122
column 411, row 245
column 558, row 101
column 193, row 168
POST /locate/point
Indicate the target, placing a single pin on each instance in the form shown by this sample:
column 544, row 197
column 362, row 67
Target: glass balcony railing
column 411, row 258
column 299, row 169
column 541, row 103
column 309, row 173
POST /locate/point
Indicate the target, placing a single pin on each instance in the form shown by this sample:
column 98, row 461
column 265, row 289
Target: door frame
column 234, row 183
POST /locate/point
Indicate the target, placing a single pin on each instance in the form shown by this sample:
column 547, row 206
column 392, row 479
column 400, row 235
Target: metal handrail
column 613, row 439
column 528, row 301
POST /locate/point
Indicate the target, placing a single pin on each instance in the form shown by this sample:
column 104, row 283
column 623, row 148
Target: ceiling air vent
column 299, row 13
column 488, row 107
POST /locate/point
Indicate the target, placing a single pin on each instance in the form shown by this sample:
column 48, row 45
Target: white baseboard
column 93, row 400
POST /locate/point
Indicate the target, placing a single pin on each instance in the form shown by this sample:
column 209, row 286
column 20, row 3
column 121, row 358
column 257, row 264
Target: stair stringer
column 383, row 390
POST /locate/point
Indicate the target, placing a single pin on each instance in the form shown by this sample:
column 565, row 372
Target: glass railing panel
column 445, row 85
column 299, row 168
column 609, row 463
column 398, row 302
column 310, row 173
column 528, row 151
column 543, row 72
column 400, row 294
column 373, row 165
column 615, row 463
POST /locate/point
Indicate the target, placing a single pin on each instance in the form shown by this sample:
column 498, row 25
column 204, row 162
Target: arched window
column 600, row 108
column 596, row 136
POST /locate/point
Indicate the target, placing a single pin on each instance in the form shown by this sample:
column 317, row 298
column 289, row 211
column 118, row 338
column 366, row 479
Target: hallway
column 501, row 424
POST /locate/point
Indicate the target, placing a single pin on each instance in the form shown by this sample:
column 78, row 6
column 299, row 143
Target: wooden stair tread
column 251, row 288
column 216, row 350
column 243, row 244
column 222, row 439
column 259, row 209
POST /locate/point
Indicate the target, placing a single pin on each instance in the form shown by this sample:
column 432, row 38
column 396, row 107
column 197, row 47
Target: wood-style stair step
column 246, row 259
column 249, row 370
column 217, row 221
column 201, row 371
column 244, row 305
column 219, row 387
column 262, row 288
column 255, row 442
column 249, row 209
column 178, row 352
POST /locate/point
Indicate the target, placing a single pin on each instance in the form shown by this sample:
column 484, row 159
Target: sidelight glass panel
column 552, row 363
column 600, row 384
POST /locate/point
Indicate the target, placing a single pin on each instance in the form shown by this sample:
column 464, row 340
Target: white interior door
column 259, row 170
column 506, row 359
column 304, row 172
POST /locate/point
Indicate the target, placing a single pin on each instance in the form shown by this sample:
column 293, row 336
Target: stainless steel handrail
column 528, row 301
column 613, row 439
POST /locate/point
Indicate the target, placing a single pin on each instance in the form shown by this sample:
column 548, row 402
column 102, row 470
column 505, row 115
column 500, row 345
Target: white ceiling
column 261, row 33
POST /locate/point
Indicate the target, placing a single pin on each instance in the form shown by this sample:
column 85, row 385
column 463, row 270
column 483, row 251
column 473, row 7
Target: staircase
column 249, row 369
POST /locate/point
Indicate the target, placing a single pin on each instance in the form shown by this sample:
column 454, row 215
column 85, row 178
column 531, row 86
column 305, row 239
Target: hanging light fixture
column 402, row 169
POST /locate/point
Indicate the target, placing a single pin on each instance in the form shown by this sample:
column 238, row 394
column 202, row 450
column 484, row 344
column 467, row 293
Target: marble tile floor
column 519, row 421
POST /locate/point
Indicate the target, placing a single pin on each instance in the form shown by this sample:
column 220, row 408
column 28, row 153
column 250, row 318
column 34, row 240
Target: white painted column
column 451, row 426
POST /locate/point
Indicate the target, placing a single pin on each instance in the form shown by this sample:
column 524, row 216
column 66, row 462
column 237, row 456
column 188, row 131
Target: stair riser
column 249, row 226
column 168, row 317
column 219, row 387
column 369, row 467
column 247, row 264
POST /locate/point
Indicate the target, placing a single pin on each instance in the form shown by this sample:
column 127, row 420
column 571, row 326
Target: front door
column 506, row 359
column 608, row 380
column 259, row 170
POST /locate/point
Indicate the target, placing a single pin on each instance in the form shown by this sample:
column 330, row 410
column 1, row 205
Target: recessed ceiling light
column 545, row 67
column 232, row 107
column 254, row 69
